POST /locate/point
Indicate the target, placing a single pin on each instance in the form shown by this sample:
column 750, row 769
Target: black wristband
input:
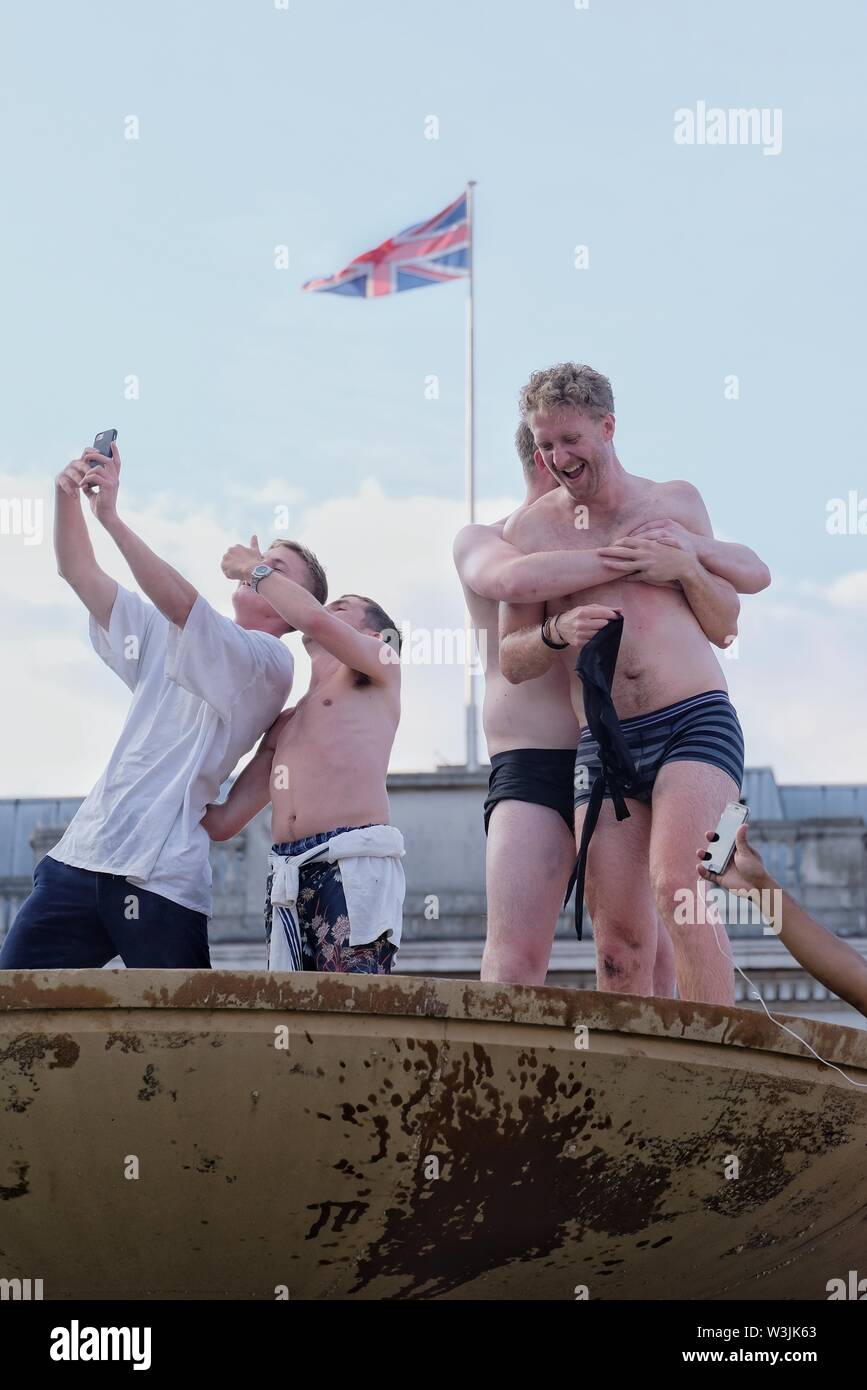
column 555, row 646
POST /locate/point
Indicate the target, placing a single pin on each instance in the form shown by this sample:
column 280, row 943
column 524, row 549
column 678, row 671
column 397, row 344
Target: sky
column 723, row 294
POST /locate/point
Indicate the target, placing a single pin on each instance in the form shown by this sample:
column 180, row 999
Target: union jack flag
column 429, row 253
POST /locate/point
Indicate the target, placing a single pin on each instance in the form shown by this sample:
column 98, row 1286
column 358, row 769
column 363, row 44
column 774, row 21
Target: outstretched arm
column 166, row 589
column 76, row 562
column 828, row 959
column 358, row 650
column 495, row 569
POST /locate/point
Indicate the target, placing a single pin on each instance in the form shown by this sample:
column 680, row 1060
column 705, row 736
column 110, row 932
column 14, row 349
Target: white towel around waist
column 372, row 876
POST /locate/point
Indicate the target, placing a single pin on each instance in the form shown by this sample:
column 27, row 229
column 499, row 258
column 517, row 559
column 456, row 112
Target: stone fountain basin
column 311, row 1136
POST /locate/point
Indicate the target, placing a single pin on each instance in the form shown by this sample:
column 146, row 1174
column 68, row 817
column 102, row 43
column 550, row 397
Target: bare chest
column 585, row 531
column 322, row 712
column 652, row 613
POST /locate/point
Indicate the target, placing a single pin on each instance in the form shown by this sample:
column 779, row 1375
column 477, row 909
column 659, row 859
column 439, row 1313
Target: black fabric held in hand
column 595, row 668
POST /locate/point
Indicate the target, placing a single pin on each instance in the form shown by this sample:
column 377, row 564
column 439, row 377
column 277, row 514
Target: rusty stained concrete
column 313, row 1166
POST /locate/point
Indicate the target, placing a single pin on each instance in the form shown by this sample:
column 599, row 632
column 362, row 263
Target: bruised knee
column 614, row 967
column 621, row 951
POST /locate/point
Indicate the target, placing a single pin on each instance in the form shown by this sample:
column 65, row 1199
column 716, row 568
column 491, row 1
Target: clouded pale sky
column 306, row 127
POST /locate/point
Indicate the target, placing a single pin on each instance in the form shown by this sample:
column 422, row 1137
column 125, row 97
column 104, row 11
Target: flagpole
column 470, row 442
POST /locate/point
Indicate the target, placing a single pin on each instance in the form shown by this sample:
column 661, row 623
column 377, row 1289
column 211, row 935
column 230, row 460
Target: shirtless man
column 336, row 882
column 531, row 733
column 664, row 576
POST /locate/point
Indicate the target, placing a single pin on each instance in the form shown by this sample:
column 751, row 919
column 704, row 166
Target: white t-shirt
column 202, row 696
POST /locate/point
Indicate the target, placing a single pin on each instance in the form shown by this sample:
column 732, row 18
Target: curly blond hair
column 568, row 383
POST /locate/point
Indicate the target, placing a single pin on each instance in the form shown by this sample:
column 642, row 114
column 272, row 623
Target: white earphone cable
column 757, row 994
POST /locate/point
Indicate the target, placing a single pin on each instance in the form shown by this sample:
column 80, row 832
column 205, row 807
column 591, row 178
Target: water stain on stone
column 152, row 1086
column 344, row 1213
column 127, row 1042
column 18, row 1189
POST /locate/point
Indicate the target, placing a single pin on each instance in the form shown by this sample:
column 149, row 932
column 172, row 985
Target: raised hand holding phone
column 722, row 845
column 102, row 478
column 101, row 445
column 103, row 442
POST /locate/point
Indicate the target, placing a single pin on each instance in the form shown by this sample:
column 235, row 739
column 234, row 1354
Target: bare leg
column 619, row 899
column 687, row 800
column 530, row 855
column 664, row 981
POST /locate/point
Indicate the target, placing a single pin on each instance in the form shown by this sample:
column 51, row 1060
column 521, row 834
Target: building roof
column 820, row 800
column 767, row 800
column 762, row 795
column 19, row 818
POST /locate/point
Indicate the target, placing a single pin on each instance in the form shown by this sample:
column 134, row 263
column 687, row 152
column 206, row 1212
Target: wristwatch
column 257, row 574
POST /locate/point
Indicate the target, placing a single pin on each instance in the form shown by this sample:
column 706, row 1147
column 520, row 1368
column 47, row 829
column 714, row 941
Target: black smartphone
column 102, row 443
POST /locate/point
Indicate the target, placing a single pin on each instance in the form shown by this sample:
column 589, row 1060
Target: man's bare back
column 665, row 655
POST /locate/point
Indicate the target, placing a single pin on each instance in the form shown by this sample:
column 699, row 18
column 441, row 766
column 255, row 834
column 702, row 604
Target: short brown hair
column 526, row 446
column 568, row 383
column 377, row 620
column 319, row 584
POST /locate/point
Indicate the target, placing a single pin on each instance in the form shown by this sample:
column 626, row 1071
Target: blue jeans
column 76, row 918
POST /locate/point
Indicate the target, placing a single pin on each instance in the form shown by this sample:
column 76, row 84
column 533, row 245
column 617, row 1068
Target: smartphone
column 102, row 443
column 723, row 847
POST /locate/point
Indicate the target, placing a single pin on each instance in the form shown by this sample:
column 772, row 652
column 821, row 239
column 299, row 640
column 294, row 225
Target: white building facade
column 813, row 839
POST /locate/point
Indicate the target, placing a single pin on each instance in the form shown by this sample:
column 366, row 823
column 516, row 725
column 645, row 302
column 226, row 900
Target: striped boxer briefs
column 701, row 729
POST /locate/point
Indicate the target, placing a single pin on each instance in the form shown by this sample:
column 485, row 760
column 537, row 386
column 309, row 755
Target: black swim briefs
column 542, row 776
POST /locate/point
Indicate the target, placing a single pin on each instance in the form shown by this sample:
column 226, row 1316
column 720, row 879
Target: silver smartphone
column 723, row 847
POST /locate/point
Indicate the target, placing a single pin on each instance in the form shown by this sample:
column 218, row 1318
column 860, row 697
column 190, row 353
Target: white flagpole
column 469, row 683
